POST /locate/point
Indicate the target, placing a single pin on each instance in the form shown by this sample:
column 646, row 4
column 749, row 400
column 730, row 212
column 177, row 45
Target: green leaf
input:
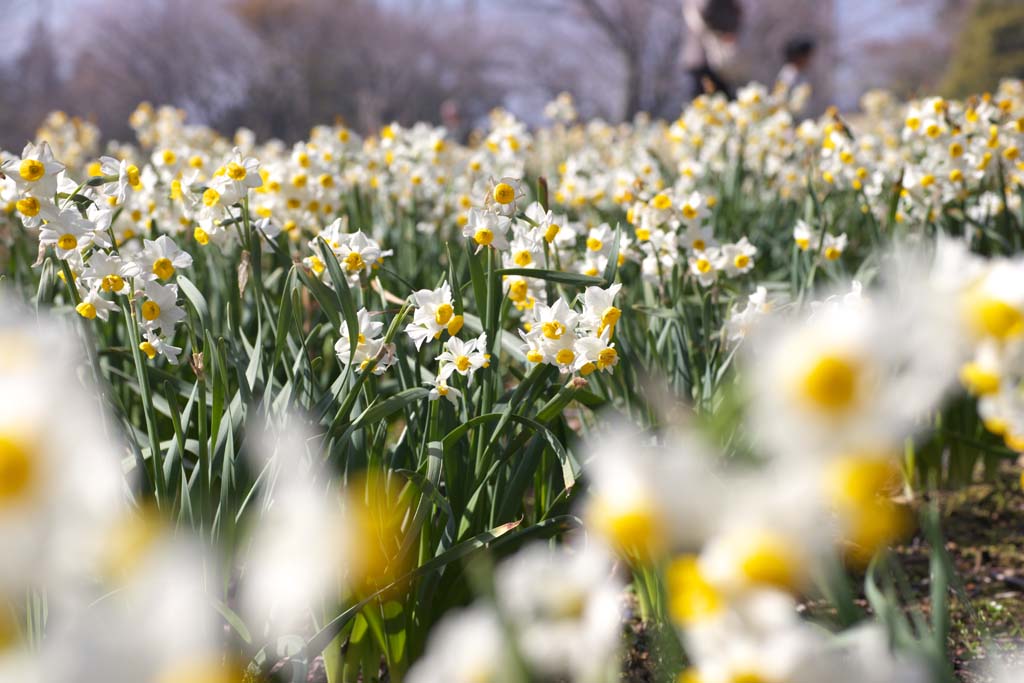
column 197, row 300
column 557, row 276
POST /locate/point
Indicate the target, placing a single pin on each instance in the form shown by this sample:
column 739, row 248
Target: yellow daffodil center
column 28, row 206
column 207, row 671
column 609, row 318
column 565, row 356
column 551, row 233
column 236, row 171
column 86, row 310
column 995, row 318
column 978, row 379
column 148, row 349
column 132, row 174
column 832, row 253
column 535, row 356
column 17, row 469
column 354, row 262
column 803, row 243
column 455, row 324
column 606, row 358
column 517, row 290
column 484, row 236
column 632, row 526
column 211, row 197
column 769, row 560
column 553, row 329
column 462, row 363
column 163, row 268
column 31, row 170
column 855, row 480
column 699, row 245
column 67, row 242
column 661, row 201
column 201, row 237
column 703, row 265
column 443, row 314
column 594, row 244
column 523, row 258
column 504, row 193
column 691, row 597
column 150, row 310
column 689, row 213
column 316, row 264
column 112, row 283
column 741, row 261
column 831, row 383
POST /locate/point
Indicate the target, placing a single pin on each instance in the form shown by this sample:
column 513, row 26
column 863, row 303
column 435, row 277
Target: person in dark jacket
column 712, row 28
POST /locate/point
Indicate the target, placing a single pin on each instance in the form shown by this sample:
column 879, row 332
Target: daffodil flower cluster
column 574, row 341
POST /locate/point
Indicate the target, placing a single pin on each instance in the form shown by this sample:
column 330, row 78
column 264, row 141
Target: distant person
column 712, row 27
column 798, row 54
column 451, row 119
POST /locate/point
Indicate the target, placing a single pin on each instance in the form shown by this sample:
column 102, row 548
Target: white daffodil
column 599, row 239
column 599, row 310
column 487, row 229
column 295, row 557
column 110, row 271
column 62, row 484
column 464, row 358
column 698, row 238
column 34, row 210
column 555, row 329
column 833, row 246
column 441, row 389
column 759, row 637
column 736, row 259
column 129, row 177
column 368, row 343
column 503, row 194
column 704, row 266
column 93, row 305
column 154, row 345
column 853, row 376
column 243, row 173
column 741, row 321
column 594, row 352
column 467, row 646
column 434, row 314
column 160, row 311
column 357, row 254
column 694, row 210
column 35, row 172
column 564, row 609
column 546, row 227
column 804, row 237
column 161, row 258
column 524, row 252
column 67, row 232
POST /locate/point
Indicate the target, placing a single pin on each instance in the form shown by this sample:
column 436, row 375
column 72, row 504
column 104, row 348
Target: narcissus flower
column 36, row 171
column 159, row 310
column 487, row 229
column 464, row 358
column 434, row 314
column 161, row 258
